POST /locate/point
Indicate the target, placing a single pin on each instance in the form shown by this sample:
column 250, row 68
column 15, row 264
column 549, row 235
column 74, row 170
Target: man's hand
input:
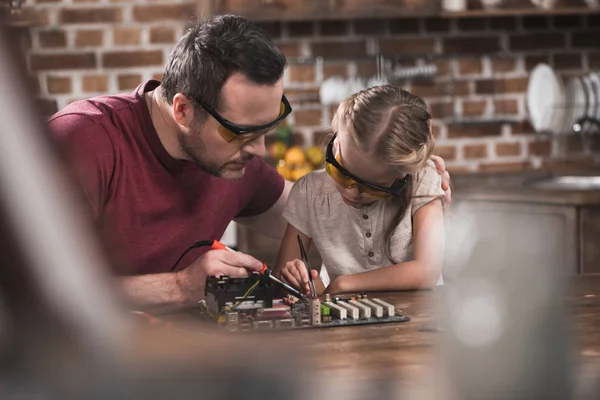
column 441, row 168
column 191, row 280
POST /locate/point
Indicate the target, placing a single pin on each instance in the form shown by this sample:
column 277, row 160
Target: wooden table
column 406, row 352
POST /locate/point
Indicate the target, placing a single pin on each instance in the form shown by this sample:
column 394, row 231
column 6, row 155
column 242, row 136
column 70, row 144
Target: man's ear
column 183, row 110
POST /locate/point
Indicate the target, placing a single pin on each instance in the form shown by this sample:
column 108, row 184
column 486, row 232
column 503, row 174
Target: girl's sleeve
column 296, row 211
column 427, row 186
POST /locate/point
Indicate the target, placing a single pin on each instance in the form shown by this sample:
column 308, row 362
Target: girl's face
column 366, row 166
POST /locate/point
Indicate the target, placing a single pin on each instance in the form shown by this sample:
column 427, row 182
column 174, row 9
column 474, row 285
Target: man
column 176, row 161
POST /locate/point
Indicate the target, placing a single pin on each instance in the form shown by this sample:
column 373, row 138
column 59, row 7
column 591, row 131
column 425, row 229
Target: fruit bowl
column 294, row 162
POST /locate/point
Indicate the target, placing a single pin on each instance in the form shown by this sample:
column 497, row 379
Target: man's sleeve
column 89, row 154
column 266, row 186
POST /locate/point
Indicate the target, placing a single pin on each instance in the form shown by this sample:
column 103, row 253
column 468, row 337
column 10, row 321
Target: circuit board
column 253, row 303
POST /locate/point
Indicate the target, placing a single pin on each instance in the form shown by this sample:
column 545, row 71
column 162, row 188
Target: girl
column 375, row 212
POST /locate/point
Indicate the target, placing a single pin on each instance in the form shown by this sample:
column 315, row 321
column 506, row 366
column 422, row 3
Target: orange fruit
column 277, row 150
column 294, row 156
column 315, row 156
column 284, row 170
column 300, row 171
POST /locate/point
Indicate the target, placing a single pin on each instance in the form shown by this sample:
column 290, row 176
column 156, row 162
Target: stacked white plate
column 556, row 105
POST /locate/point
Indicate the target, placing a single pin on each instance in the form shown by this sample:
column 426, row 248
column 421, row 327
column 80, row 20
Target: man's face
column 244, row 103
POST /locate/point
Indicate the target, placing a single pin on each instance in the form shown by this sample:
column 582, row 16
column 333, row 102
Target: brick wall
column 87, row 47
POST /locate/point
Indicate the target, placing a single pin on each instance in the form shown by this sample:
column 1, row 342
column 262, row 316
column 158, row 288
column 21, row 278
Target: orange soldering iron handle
column 263, row 269
column 220, row 246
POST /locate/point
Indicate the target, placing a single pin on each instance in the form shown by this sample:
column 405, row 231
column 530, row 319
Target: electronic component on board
column 352, row 311
column 325, row 313
column 314, row 307
column 386, row 306
column 365, row 312
column 337, row 311
column 376, row 309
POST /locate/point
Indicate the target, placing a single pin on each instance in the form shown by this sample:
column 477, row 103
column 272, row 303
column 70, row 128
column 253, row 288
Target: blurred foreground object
column 63, row 331
column 505, row 311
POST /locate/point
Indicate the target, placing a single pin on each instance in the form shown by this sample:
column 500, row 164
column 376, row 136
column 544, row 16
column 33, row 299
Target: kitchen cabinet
column 589, row 235
column 555, row 227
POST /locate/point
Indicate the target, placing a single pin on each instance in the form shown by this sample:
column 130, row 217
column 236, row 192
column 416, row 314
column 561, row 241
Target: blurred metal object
column 509, row 335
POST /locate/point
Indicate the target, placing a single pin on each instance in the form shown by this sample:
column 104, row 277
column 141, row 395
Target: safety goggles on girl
column 368, row 190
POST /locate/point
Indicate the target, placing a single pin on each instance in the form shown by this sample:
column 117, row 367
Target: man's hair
column 213, row 50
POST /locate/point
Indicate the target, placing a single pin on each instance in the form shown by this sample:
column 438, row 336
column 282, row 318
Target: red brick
column 434, row 89
column 356, row 48
column 89, row 15
column 370, row 26
column 472, row 130
column 302, row 95
column 123, row 59
column 302, row 73
column 32, row 15
column 441, row 110
column 537, row 41
column 404, row 26
column 471, row 24
column 540, row 148
column 475, row 151
column 162, row 34
column 505, row 167
column 46, row 107
column 474, row 108
column 59, row 85
column 407, row 46
column 508, row 149
column 44, row 62
column 506, row 106
column 503, row 64
column 437, row 24
column 506, row 24
column 470, row 66
column 574, row 144
column 33, row 84
column 448, row 153
column 52, row 39
column 567, row 21
column 585, row 39
column 126, row 36
column 535, row 22
column 273, row 29
column 307, row 117
column 472, row 44
column 94, row 83
column 89, row 38
column 333, row 28
column 366, row 67
column 522, row 128
column 532, row 61
column 301, row 29
column 291, row 50
column 568, row 61
column 174, row 12
column 509, row 85
column 129, row 81
column 47, row 1
column 444, row 67
column 331, row 69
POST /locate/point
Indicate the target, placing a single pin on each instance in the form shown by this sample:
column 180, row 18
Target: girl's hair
column 394, row 126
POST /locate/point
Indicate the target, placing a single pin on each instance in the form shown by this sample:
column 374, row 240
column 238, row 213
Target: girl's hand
column 336, row 286
column 294, row 272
